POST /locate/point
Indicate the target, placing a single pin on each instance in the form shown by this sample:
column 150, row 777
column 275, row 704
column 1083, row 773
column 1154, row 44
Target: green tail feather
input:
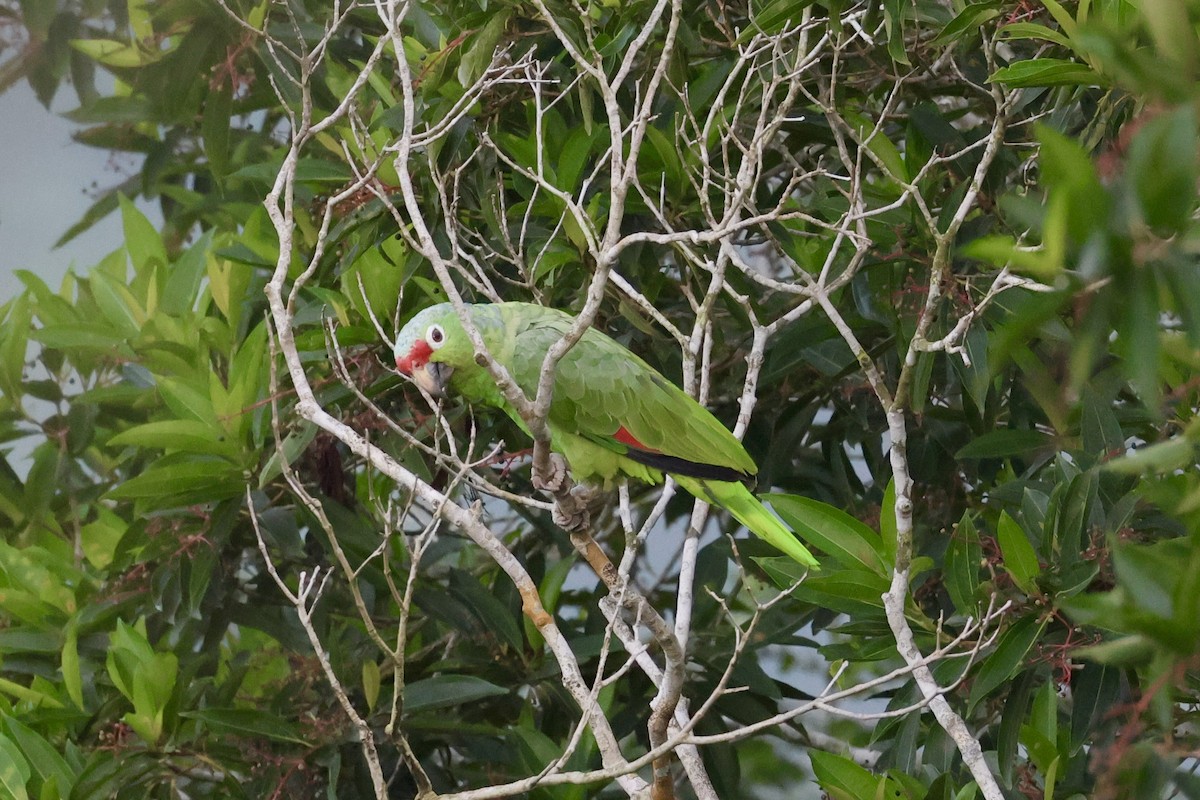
column 746, row 509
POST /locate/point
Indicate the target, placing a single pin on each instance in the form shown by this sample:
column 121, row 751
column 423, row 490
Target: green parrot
column 612, row 414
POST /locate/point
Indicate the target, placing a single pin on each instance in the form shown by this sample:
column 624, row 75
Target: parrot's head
column 431, row 346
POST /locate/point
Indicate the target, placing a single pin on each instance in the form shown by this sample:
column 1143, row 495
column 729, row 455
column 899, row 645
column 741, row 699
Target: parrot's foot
column 555, row 479
column 571, row 512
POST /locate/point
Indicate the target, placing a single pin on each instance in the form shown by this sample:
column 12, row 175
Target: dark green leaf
column 1096, row 688
column 1005, row 443
column 1012, row 718
column 854, row 592
column 444, row 691
column 840, row 774
column 43, row 757
column 183, row 482
column 1020, row 559
column 1162, row 165
column 215, row 126
column 494, row 615
column 964, row 558
column 254, row 723
column 1009, row 655
column 1046, row 72
column 833, row 531
column 14, row 338
column 968, row 21
column 1032, row 30
column 182, row 287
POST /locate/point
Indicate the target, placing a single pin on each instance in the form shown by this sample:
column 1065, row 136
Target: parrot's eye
column 436, row 336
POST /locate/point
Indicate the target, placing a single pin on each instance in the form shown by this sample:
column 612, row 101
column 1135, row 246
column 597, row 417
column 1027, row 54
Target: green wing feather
column 600, row 387
column 746, row 509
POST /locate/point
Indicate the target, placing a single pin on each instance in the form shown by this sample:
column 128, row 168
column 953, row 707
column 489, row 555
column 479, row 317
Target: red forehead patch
column 417, row 357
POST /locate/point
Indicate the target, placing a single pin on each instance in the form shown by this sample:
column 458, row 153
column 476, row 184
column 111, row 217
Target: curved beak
column 432, row 377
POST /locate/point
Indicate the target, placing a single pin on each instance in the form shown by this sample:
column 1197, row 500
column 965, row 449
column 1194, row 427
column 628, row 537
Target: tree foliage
column 936, row 262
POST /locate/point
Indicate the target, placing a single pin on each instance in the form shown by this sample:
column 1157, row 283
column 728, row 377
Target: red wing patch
column 625, row 437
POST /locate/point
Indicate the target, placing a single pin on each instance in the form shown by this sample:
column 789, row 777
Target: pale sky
column 42, row 181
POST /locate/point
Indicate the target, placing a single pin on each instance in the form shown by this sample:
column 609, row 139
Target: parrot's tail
column 746, row 509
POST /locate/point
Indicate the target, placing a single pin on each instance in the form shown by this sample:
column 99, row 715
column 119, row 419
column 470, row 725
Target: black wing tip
column 691, row 469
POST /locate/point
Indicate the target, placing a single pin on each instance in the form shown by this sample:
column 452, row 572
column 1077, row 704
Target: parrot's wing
column 608, row 395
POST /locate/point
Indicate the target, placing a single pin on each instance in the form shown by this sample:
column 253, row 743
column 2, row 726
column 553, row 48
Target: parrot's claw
column 559, row 476
column 571, row 514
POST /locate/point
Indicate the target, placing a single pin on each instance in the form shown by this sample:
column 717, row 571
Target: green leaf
column 878, row 143
column 969, row 20
column 1096, row 689
column 1122, row 652
column 308, row 170
column 114, row 53
column 1047, row 72
column 379, row 270
column 1004, row 251
column 371, row 682
column 174, row 435
column 252, row 722
column 1071, row 522
column 43, row 479
column 182, row 286
column 841, row 775
column 977, row 376
column 854, row 592
column 1032, row 30
column 43, row 757
column 1005, row 443
column 1162, row 164
column 832, row 530
column 14, row 340
column 494, row 615
column 1012, row 717
column 1044, row 716
column 80, row 336
column 1160, row 457
column 572, row 158
column 14, row 770
column 887, row 522
column 1101, row 433
column 183, row 483
column 894, row 13
column 1137, row 335
column 26, row 694
column 772, row 16
column 72, row 677
column 1007, row 658
column 480, row 52
column 188, row 402
column 1064, row 18
column 101, row 536
column 444, row 691
column 1020, row 559
column 964, row 557
column 1149, row 574
column 117, row 304
column 214, row 126
column 142, row 240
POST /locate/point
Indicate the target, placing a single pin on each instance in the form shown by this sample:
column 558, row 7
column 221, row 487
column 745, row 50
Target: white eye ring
column 435, row 336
